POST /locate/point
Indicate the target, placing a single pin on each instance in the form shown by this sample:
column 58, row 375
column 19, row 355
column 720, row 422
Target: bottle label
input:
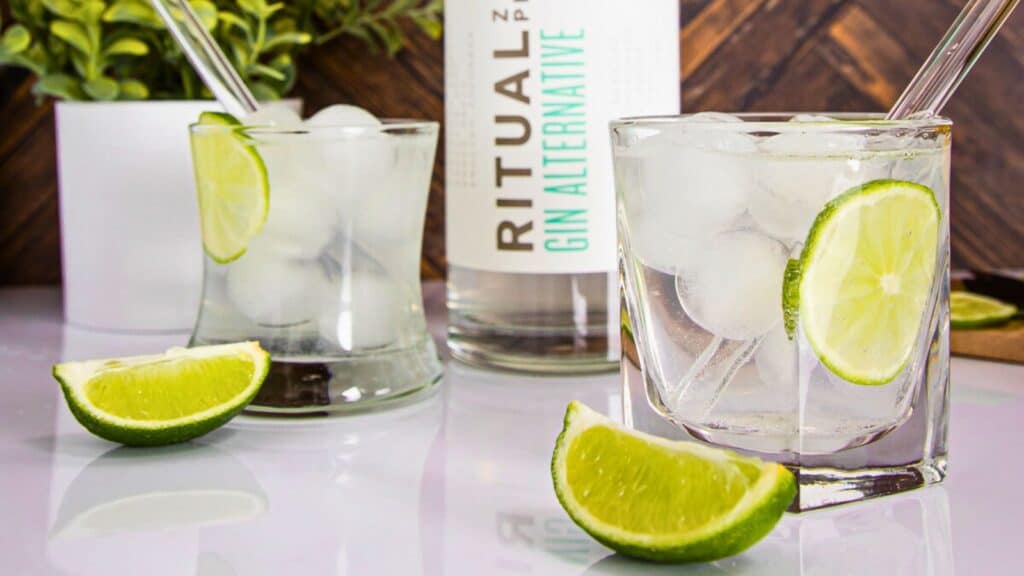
column 530, row 87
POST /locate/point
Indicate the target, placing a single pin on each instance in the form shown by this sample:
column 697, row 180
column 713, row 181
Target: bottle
column 530, row 86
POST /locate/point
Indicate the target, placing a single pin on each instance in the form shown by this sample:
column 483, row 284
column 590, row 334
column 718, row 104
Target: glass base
column 307, row 386
column 912, row 455
column 822, row 487
column 531, row 354
column 555, row 324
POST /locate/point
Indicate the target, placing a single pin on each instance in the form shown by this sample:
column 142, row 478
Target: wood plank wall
column 813, row 55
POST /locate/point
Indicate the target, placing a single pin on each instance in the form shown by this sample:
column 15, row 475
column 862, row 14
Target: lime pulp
column 659, row 500
column 163, row 398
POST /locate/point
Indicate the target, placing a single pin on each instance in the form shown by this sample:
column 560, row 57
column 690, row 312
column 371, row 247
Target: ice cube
column 343, row 115
column 660, row 248
column 812, row 142
column 811, row 118
column 301, row 216
column 735, row 289
column 712, row 117
column 776, row 361
column 358, row 161
column 273, row 290
column 395, row 198
column 800, row 172
column 300, row 222
column 689, row 132
column 695, row 182
column 285, row 153
column 276, row 115
column 362, row 311
column 359, row 165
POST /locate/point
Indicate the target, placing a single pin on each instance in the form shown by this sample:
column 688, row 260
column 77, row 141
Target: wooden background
column 810, row 55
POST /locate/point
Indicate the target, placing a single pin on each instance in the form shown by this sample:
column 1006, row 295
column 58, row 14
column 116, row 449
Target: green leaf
column 282, row 24
column 284, row 64
column 59, row 86
column 126, row 47
column 429, row 24
column 124, row 41
column 131, row 12
column 63, row 8
column 256, row 70
column 22, row 61
column 388, row 36
column 132, row 90
column 32, row 14
column 16, row 39
column 91, row 11
column 189, row 83
column 253, row 7
column 231, row 20
column 80, row 62
column 264, row 92
column 399, row 7
column 365, row 36
column 239, row 51
column 54, row 47
column 73, row 33
column 101, row 88
column 207, row 13
column 287, row 39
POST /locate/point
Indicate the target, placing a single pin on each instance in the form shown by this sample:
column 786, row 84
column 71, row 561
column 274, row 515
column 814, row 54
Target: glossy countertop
column 456, row 483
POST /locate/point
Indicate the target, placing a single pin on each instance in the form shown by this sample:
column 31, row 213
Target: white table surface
column 455, row 484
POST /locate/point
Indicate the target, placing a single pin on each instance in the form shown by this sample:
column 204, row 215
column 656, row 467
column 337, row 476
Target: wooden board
column 1005, row 343
column 814, row 55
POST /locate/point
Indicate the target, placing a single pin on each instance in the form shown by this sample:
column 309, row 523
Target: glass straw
column 206, row 57
column 952, row 58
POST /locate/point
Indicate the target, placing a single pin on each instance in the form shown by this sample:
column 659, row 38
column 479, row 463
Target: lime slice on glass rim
column 661, row 500
column 231, row 180
column 970, row 310
column 862, row 284
column 163, row 398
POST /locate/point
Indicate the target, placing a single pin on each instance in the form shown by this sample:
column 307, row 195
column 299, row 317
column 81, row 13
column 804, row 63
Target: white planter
column 131, row 252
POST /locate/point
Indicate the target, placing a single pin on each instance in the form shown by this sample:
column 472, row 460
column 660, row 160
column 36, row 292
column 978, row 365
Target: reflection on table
column 457, row 482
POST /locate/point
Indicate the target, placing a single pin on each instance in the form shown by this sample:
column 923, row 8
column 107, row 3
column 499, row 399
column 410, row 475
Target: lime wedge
column 864, row 279
column 969, row 310
column 234, row 194
column 659, row 500
column 163, row 398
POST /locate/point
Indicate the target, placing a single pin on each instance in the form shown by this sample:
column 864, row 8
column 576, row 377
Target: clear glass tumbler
column 785, row 292
column 328, row 282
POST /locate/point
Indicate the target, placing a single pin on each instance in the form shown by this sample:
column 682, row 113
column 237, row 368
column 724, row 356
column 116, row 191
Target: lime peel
column 742, row 498
column 95, row 392
column 233, row 187
column 791, row 297
column 865, row 276
column 970, row 310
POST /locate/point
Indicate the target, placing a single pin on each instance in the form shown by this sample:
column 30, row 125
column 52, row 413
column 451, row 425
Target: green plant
column 119, row 49
column 378, row 22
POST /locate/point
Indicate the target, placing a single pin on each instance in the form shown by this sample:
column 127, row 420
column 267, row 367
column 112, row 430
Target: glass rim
column 386, row 125
column 782, row 122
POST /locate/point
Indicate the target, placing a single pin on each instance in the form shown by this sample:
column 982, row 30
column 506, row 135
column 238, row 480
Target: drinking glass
column 731, row 230
column 329, row 285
